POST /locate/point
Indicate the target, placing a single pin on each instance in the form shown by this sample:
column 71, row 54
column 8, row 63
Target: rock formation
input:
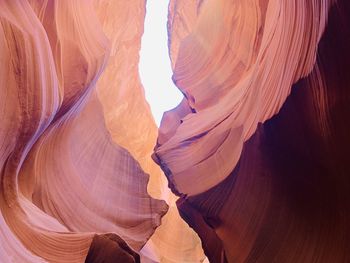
column 269, row 170
column 256, row 154
column 63, row 177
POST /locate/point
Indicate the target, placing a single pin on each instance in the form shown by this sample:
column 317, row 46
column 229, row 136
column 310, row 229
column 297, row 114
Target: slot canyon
column 251, row 165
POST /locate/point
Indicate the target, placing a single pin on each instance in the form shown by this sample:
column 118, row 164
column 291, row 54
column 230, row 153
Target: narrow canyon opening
column 154, row 66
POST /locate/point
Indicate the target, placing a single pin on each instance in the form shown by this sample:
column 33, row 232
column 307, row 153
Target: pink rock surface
column 235, row 64
column 257, row 150
column 63, row 177
column 286, row 198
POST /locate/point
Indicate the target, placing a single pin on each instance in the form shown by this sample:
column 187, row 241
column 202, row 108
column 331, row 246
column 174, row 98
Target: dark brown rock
column 110, row 248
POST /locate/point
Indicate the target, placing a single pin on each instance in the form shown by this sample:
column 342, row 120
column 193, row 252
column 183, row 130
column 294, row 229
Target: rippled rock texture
column 63, row 176
column 263, row 135
column 257, row 152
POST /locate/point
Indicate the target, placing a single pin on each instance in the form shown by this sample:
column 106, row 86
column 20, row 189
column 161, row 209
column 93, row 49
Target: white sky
column 155, row 69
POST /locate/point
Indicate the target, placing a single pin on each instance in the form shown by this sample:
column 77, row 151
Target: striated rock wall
column 236, row 67
column 277, row 191
column 63, row 178
column 257, row 152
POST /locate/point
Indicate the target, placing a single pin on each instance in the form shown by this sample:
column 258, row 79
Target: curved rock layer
column 235, row 62
column 63, row 178
column 288, row 198
column 260, row 165
column 129, row 121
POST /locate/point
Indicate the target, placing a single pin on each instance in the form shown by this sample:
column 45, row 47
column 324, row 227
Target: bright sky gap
column 155, row 68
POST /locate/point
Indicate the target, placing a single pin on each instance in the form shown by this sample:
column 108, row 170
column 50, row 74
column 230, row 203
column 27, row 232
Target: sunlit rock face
column 76, row 138
column 257, row 151
column 63, row 177
column 129, row 121
column 260, row 151
column 235, row 63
